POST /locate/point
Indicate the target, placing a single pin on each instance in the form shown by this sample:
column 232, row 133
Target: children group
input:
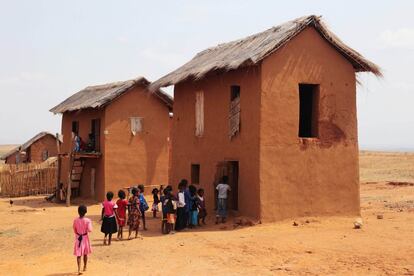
column 184, row 209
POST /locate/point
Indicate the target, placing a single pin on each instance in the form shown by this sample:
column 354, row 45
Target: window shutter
column 136, row 125
column 199, row 114
column 234, row 117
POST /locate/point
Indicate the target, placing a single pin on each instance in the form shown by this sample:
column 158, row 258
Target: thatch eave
column 99, row 96
column 253, row 49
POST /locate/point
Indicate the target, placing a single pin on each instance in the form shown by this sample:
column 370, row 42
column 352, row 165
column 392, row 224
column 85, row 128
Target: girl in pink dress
column 81, row 227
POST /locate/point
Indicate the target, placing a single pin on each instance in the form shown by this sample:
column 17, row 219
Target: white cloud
column 122, row 39
column 400, row 38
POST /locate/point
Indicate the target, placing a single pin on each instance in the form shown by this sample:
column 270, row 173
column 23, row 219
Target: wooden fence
column 28, row 179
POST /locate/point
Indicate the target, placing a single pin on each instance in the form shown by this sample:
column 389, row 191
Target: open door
column 233, row 174
column 231, row 170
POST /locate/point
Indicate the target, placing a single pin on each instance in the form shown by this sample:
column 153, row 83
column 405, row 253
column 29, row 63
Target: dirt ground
column 36, row 238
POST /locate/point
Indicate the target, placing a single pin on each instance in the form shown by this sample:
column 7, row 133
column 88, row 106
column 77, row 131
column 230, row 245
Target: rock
column 237, row 221
column 243, row 221
column 295, row 223
column 380, row 216
column 358, row 223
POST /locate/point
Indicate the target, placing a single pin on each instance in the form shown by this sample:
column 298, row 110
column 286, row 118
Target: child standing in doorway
column 223, row 188
column 122, row 204
column 108, row 217
column 82, row 227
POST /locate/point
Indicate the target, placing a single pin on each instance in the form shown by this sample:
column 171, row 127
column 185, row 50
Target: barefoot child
column 133, row 213
column 109, row 226
column 143, row 205
column 193, row 218
column 170, row 210
column 202, row 212
column 156, row 201
column 122, row 204
column 81, row 227
column 223, row 189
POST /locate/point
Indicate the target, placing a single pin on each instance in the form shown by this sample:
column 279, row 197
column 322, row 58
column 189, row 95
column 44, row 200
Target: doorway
column 94, row 136
column 231, row 170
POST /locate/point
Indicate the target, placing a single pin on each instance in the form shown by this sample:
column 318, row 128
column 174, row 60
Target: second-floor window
column 308, row 110
column 234, row 112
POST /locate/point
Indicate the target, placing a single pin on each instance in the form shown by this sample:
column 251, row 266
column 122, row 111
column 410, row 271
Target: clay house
column 276, row 113
column 36, row 150
column 125, row 137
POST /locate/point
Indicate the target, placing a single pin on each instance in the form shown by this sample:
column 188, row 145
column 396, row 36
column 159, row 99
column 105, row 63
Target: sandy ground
column 36, row 238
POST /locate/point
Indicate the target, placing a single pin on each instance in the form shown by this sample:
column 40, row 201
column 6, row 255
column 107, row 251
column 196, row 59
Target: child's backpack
column 169, row 206
column 143, row 203
column 194, row 204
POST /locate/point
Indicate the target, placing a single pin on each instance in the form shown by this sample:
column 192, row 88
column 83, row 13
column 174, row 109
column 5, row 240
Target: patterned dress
column 134, row 213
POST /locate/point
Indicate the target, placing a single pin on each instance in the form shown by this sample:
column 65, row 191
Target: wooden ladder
column 76, row 172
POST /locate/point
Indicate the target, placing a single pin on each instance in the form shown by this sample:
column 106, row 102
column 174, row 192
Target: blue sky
column 51, row 49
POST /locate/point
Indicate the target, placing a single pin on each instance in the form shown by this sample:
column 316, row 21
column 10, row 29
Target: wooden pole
column 59, row 168
column 69, row 189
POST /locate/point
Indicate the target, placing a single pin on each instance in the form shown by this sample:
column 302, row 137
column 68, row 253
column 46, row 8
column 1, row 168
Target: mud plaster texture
column 280, row 174
column 126, row 159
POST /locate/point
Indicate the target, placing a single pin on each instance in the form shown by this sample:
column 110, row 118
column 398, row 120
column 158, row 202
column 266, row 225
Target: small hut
column 123, row 133
column 38, row 149
column 276, row 113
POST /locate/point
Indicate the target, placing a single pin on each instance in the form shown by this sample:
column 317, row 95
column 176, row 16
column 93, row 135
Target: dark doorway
column 195, row 174
column 94, row 136
column 75, row 127
column 231, row 170
column 233, row 174
column 308, row 110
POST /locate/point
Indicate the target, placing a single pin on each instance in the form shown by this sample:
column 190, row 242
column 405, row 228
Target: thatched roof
column 27, row 144
column 98, row 96
column 253, row 49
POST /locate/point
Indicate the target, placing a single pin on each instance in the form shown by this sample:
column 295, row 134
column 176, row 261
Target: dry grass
column 386, row 166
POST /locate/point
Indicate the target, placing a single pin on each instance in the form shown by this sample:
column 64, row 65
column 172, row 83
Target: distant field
column 5, row 149
column 386, row 166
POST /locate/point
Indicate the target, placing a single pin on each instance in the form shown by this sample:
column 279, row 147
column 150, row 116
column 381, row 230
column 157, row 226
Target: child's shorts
column 171, row 218
column 154, row 207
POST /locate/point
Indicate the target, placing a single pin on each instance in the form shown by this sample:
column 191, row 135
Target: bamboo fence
column 28, row 179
